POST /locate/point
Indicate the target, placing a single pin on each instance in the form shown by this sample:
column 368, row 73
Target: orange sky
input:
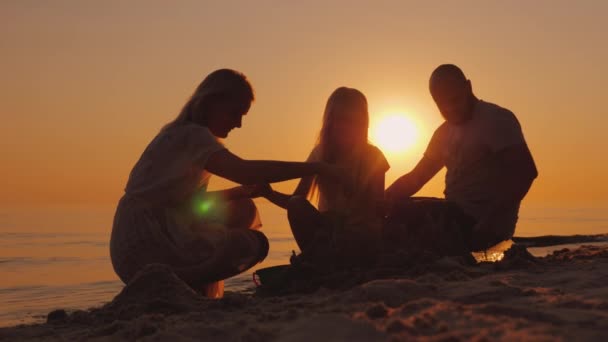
column 86, row 85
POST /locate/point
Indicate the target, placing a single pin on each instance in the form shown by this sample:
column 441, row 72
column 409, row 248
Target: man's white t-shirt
column 468, row 151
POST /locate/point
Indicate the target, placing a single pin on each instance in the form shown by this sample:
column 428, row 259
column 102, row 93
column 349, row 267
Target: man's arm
column 519, row 173
column 410, row 183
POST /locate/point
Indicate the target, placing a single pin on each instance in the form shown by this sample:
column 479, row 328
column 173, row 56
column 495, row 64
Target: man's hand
column 410, row 183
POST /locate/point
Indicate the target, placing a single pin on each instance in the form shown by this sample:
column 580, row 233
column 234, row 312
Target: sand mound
column 391, row 292
column 154, row 289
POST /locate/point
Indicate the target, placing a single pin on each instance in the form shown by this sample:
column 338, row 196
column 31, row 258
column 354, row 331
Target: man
column 489, row 171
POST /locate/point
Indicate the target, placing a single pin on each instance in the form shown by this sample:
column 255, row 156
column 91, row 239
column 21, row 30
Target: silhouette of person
column 489, row 171
column 167, row 215
column 347, row 225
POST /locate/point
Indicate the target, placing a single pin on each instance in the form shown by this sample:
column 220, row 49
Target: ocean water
column 58, row 258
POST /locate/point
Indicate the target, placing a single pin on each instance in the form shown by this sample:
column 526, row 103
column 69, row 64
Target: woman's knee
column 242, row 250
column 242, row 213
column 246, row 249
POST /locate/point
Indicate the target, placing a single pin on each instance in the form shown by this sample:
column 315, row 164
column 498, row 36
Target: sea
column 57, row 257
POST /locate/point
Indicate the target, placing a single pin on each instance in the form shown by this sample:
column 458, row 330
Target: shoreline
column 564, row 295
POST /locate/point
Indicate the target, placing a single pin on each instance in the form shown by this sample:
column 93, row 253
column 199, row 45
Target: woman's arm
column 229, row 194
column 240, row 192
column 229, row 166
column 281, row 199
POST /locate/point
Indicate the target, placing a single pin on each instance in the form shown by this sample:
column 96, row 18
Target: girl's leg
column 305, row 220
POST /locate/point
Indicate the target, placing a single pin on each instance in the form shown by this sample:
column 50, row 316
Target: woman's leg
column 242, row 214
column 235, row 214
column 235, row 252
column 305, row 220
column 237, row 246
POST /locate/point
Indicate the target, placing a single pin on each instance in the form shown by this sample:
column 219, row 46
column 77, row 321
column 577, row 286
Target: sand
column 563, row 296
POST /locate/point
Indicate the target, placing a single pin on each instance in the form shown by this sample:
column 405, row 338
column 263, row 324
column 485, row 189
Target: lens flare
column 205, row 206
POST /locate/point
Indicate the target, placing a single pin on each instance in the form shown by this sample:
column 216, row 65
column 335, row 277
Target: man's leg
column 431, row 224
column 482, row 241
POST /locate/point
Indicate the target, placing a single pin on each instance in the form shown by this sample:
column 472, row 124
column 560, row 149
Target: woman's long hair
column 344, row 104
column 222, row 84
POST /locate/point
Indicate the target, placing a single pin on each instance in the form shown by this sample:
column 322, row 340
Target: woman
column 166, row 214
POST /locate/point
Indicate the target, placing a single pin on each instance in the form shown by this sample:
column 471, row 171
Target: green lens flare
column 209, row 207
column 205, row 206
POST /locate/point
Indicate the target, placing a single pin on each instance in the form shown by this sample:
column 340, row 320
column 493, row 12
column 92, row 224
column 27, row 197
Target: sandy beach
column 563, row 296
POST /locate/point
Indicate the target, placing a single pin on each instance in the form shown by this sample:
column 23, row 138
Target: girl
column 166, row 214
column 349, row 215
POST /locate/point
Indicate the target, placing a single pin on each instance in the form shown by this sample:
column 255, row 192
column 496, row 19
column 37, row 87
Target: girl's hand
column 257, row 190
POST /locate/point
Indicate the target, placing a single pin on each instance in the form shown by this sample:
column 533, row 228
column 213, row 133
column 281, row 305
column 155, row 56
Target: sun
column 394, row 133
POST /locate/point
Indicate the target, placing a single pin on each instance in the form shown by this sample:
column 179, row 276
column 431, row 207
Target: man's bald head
column 452, row 93
column 446, row 72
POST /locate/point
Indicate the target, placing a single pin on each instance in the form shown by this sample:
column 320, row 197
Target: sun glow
column 394, row 133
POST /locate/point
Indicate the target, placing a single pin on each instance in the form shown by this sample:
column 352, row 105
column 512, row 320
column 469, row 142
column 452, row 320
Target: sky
column 87, row 84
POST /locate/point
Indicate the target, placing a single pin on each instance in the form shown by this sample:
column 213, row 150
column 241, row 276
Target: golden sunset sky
column 86, row 85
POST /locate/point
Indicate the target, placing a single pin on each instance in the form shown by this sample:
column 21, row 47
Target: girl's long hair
column 343, row 104
column 222, row 84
